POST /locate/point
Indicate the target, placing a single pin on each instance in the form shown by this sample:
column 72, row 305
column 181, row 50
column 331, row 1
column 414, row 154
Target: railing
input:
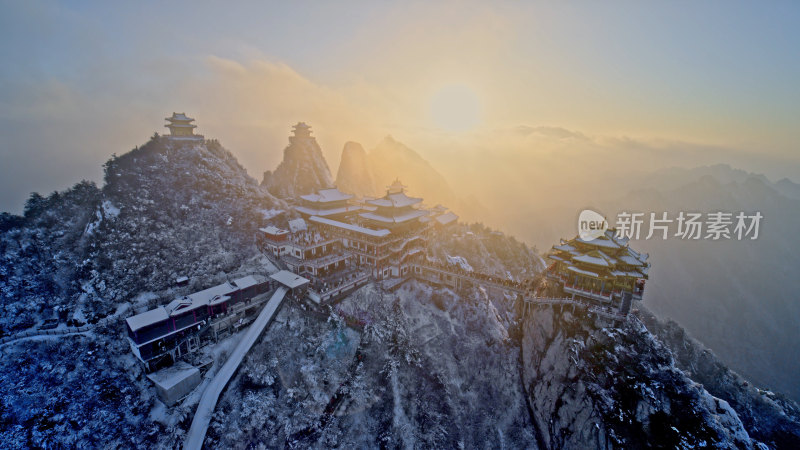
column 603, row 312
column 317, row 262
column 476, row 277
column 333, row 292
column 597, row 295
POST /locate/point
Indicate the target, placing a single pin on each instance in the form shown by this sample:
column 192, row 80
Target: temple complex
column 603, row 270
column 181, row 127
column 376, row 236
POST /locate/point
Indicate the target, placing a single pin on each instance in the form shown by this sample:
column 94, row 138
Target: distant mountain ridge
column 737, row 297
column 369, row 173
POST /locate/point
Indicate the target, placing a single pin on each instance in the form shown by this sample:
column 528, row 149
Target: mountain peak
column 303, row 169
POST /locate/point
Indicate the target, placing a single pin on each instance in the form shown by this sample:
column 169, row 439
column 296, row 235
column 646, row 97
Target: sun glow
column 455, row 107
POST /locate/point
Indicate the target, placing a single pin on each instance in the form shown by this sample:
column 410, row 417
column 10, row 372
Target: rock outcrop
column 369, row 173
column 592, row 386
column 354, row 173
column 303, row 169
column 769, row 417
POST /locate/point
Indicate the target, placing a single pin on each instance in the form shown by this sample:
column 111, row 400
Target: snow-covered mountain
column 168, row 208
column 303, row 169
column 421, row 367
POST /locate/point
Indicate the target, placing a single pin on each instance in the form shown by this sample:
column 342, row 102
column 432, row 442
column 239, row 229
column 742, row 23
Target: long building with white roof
column 158, row 336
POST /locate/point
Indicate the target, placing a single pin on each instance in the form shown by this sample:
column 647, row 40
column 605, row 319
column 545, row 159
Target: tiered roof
column 180, row 126
column 327, row 203
column 603, row 257
column 395, row 207
column 179, row 120
column 301, row 130
column 395, row 200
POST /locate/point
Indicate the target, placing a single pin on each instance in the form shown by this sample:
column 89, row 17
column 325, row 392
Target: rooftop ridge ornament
column 397, row 187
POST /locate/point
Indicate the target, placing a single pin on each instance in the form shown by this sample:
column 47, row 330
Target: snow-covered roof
column 245, row 282
column 146, row 318
column 630, row 260
column 211, row 296
column 218, row 299
column 446, row 218
column 601, row 241
column 395, row 200
column 413, row 214
column 179, row 116
column 326, row 212
column 327, row 195
column 350, row 227
column 594, row 260
column 171, row 376
column 273, row 230
column 205, row 296
column 583, row 272
column 297, row 225
column 289, row 279
column 178, row 304
column 611, row 233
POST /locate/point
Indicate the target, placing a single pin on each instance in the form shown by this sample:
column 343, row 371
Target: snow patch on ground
column 268, row 214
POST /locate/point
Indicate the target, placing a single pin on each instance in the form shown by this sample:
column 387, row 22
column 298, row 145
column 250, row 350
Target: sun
column 456, row 108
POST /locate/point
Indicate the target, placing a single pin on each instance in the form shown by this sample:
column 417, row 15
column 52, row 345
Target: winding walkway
column 511, row 286
column 197, row 432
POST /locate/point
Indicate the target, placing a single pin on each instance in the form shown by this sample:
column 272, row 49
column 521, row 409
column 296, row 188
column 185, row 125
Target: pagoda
column 301, row 132
column 181, row 127
column 396, row 210
column 605, row 270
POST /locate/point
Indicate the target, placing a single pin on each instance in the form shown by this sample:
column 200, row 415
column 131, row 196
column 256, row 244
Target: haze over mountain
column 370, row 173
column 737, row 297
column 721, row 288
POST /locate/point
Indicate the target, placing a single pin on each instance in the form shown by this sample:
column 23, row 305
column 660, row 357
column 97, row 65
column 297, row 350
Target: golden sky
column 716, row 81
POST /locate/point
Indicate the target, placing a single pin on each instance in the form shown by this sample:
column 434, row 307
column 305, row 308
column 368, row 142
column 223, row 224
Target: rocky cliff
column 303, row 169
column 593, row 385
column 768, row 416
